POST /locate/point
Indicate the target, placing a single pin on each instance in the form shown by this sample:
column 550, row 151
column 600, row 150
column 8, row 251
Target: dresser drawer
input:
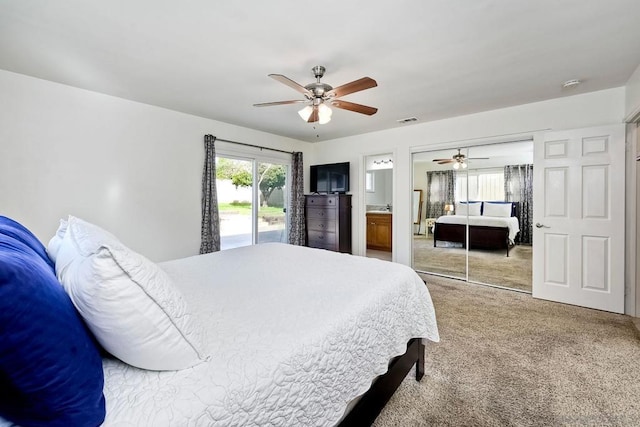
column 327, row 214
column 321, row 224
column 321, row 239
column 322, row 201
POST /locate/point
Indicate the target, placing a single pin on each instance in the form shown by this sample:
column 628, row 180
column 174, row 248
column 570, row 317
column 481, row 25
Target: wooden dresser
column 329, row 221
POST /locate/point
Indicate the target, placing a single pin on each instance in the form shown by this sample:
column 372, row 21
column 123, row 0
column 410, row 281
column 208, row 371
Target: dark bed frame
column 371, row 403
column 480, row 237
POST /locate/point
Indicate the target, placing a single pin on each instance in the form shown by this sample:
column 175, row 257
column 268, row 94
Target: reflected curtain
column 296, row 207
column 210, row 226
column 440, row 191
column 518, row 187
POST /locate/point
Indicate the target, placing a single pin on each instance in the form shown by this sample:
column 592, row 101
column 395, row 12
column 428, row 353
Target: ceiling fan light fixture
column 324, row 114
column 456, row 165
column 318, row 93
column 305, row 113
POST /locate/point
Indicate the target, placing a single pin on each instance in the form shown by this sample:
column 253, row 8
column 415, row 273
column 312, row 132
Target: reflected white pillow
column 128, row 302
column 497, row 209
column 472, row 207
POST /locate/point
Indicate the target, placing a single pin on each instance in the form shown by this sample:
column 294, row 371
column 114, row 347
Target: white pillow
column 472, row 207
column 497, row 209
column 128, row 302
column 54, row 244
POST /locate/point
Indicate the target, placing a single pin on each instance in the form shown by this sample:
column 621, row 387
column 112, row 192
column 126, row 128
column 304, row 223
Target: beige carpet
column 485, row 266
column 506, row 359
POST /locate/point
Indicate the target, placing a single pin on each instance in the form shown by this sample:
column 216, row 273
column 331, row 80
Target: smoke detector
column 407, row 120
column 571, row 83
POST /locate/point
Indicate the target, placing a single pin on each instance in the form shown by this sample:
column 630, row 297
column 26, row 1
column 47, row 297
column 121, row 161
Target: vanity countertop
column 380, row 212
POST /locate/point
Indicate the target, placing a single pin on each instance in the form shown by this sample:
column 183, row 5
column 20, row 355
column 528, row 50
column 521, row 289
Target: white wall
column 132, row 168
column 632, row 96
column 592, row 109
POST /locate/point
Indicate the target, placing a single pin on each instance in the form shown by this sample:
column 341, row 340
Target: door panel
column 235, row 202
column 556, row 260
column 272, row 181
column 556, row 196
column 578, row 255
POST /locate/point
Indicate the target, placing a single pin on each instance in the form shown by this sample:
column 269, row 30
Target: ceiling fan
column 318, row 93
column 459, row 160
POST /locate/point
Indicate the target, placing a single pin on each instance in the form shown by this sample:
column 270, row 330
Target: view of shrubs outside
column 234, row 186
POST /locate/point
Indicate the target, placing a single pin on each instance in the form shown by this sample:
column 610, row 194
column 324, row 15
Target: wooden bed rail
column 371, row 403
column 480, row 237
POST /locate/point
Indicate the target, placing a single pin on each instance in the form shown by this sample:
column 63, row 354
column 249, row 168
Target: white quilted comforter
column 294, row 334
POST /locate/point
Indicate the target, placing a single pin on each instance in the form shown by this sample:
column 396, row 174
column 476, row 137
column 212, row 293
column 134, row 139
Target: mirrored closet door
column 479, row 205
column 435, row 177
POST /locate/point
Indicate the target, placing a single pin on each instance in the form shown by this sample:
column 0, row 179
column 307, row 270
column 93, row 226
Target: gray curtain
column 210, row 227
column 440, row 191
column 518, row 187
column 296, row 208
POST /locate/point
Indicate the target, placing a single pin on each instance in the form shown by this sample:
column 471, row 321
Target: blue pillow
column 11, row 228
column 50, row 368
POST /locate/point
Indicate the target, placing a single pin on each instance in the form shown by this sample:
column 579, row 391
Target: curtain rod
column 251, row 145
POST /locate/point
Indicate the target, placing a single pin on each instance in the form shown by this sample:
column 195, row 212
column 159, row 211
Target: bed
column 492, row 225
column 289, row 336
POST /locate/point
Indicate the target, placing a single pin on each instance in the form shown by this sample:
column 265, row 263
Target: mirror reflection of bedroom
column 379, row 205
column 477, row 207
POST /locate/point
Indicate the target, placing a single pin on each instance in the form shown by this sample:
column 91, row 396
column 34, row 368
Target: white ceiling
column 432, row 59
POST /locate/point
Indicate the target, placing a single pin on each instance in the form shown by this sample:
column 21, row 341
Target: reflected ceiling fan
column 319, row 94
column 459, row 160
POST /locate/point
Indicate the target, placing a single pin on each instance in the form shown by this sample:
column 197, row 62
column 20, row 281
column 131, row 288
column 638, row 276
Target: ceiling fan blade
column 354, row 86
column 314, row 117
column 269, row 104
column 477, row 158
column 352, row 106
column 443, row 161
column 287, row 81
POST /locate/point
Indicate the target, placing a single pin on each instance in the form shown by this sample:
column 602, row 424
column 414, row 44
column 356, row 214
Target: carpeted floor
column 485, row 266
column 506, row 359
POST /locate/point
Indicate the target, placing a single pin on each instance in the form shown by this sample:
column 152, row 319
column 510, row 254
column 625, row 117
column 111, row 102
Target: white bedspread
column 487, row 221
column 294, row 334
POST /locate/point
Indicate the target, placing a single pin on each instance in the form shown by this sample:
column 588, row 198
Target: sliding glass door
column 252, row 200
column 271, row 221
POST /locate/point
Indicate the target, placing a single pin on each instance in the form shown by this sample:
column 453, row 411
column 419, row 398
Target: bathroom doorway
column 379, row 206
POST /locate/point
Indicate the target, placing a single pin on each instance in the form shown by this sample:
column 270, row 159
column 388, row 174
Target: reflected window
column 370, row 182
column 481, row 185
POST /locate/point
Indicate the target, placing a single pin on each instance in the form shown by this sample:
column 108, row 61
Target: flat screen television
column 330, row 178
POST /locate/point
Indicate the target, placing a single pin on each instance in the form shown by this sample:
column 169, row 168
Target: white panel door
column 578, row 216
